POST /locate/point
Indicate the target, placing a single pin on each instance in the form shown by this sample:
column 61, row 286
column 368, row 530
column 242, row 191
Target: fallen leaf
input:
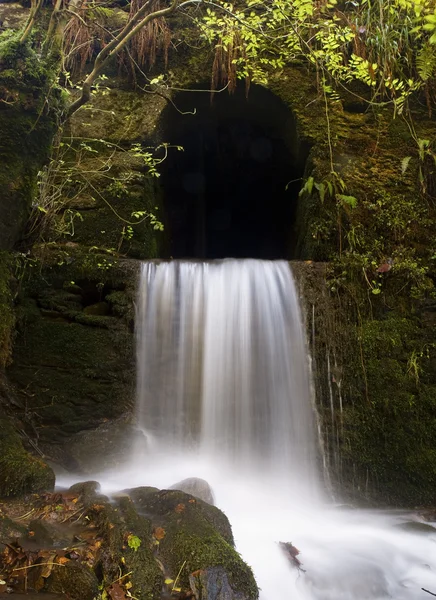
column 159, row 533
column 197, row 573
column 180, row 508
column 48, row 566
column 116, row 592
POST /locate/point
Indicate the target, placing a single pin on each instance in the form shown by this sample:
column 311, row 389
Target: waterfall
column 223, row 394
column 222, row 365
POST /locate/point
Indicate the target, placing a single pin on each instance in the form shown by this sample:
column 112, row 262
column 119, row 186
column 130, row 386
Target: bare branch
column 31, row 21
column 136, row 24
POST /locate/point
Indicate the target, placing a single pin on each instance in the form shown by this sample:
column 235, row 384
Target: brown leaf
column 48, row 566
column 180, row 508
column 159, row 533
column 116, row 592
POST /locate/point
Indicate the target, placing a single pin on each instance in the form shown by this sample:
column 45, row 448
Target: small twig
column 431, row 593
column 81, row 511
column 37, row 565
column 27, row 514
column 178, row 575
column 122, row 577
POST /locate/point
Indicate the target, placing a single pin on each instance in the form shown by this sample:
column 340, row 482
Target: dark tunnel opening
column 233, row 191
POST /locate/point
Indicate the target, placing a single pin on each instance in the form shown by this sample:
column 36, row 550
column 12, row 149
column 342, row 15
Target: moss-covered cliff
column 29, row 104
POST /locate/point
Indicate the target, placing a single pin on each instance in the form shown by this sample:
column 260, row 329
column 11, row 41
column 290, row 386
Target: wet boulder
column 125, row 542
column 196, row 487
column 213, row 584
column 195, row 546
column 74, row 579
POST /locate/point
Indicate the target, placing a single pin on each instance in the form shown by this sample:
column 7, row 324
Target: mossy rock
column 117, row 524
column 147, row 577
column 21, row 473
column 119, row 116
column 27, row 126
column 195, row 536
column 78, row 367
column 10, row 529
column 76, row 580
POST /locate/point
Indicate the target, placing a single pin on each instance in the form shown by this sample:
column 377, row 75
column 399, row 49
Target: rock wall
column 376, row 388
column 73, row 366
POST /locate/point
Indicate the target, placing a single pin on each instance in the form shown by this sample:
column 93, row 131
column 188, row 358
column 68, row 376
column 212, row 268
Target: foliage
column 133, row 542
column 74, row 168
column 386, row 46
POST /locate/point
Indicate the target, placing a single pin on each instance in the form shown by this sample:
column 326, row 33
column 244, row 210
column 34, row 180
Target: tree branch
column 31, row 20
column 114, row 46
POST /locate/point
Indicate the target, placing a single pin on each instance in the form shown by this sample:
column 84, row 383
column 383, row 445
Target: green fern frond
column 426, row 61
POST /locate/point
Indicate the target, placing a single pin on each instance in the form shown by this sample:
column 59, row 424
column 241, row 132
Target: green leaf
column 321, row 190
column 133, row 542
column 405, row 164
column 348, row 200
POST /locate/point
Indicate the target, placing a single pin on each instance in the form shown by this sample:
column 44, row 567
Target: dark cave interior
column 233, row 190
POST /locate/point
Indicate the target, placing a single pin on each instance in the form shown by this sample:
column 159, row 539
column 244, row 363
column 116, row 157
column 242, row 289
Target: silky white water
column 223, row 393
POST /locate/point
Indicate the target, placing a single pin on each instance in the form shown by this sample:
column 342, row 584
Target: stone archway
column 233, row 191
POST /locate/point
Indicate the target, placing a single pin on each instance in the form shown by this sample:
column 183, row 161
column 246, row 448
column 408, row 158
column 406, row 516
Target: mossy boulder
column 194, row 536
column 21, row 473
column 126, row 543
column 74, row 579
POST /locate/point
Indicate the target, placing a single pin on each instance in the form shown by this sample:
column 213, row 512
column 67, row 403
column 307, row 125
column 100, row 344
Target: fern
column 426, row 61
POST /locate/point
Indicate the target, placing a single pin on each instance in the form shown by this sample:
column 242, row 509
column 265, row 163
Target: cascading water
column 224, row 394
column 222, row 366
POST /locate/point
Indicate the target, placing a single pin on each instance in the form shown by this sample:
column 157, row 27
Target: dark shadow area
column 233, row 191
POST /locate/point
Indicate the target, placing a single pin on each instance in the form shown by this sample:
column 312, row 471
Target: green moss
column 390, row 435
column 115, row 523
column 74, row 579
column 27, row 126
column 78, row 376
column 146, row 576
column 21, row 472
column 197, row 536
column 74, row 370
